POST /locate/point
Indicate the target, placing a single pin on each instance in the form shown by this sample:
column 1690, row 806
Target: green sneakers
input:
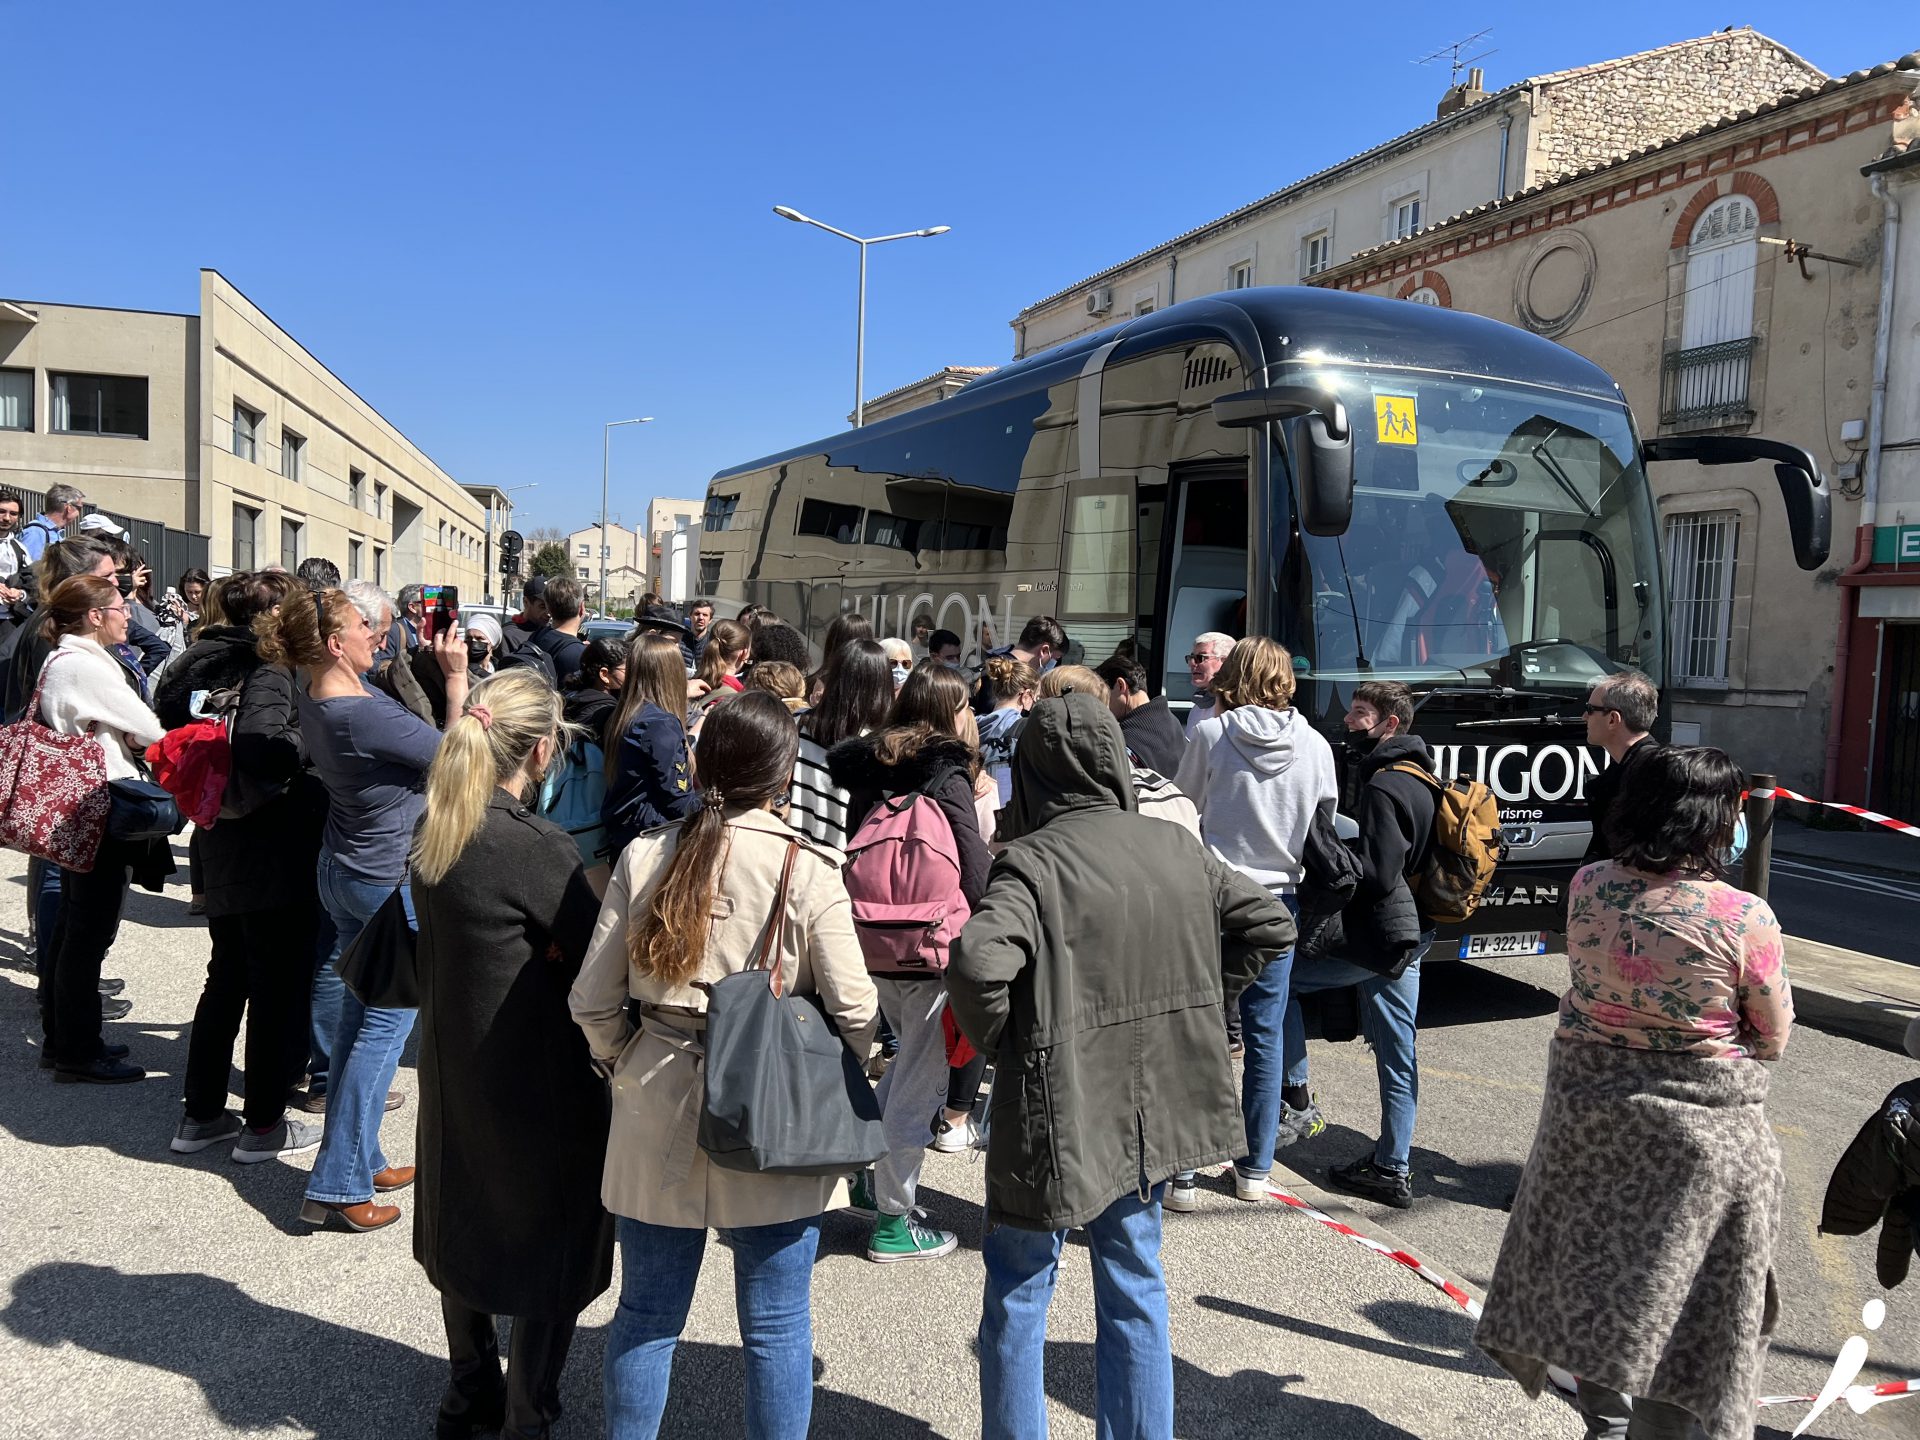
column 902, row 1237
column 860, row 1198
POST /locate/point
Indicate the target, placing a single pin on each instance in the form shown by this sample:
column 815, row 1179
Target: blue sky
column 507, row 224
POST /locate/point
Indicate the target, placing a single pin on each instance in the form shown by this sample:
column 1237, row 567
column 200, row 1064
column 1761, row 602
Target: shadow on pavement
column 1209, row 1404
column 1414, row 1354
column 1490, row 1184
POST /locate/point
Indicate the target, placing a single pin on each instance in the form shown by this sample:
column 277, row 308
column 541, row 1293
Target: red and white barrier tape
column 1891, row 1389
column 1870, row 815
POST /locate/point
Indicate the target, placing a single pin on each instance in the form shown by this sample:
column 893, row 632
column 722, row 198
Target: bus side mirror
column 1323, row 465
column 1803, row 489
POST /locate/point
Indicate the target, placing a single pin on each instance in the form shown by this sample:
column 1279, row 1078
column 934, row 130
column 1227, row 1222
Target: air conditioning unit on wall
column 1100, row 300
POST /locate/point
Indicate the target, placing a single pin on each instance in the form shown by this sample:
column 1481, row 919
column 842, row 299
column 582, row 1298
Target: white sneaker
column 1251, row 1187
column 956, row 1139
column 1181, row 1199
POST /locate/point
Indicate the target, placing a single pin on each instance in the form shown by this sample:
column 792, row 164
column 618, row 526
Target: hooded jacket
column 1257, row 776
column 1092, row 975
column 856, row 767
column 1394, row 811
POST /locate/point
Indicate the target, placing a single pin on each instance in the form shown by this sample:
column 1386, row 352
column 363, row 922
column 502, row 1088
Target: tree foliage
column 551, row 561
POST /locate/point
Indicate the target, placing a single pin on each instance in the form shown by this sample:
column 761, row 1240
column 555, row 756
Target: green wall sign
column 1896, row 545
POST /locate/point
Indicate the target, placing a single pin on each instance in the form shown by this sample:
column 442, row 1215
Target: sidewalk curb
column 1860, row 867
column 1862, row 997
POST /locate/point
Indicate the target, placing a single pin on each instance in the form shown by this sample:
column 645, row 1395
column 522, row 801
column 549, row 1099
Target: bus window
column 1206, row 569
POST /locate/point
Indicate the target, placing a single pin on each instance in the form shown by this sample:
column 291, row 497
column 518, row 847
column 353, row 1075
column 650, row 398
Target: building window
column 583, row 574
column 1701, row 553
column 379, row 502
column 1316, row 252
column 356, row 488
column 290, row 544
column 1425, row 295
column 16, row 399
column 709, row 573
column 1240, row 277
column 114, row 405
column 1705, row 381
column 1143, row 307
column 246, row 525
column 682, row 524
column 293, row 456
column 246, row 432
column 586, row 552
column 719, row 513
column 836, row 522
column 379, row 566
column 1406, row 217
column 354, row 548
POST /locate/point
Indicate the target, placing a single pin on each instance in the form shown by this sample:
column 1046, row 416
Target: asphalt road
column 1857, row 911
column 1484, row 1031
column 146, row 1295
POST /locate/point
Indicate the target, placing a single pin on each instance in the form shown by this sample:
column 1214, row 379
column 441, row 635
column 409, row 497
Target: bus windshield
column 1502, row 536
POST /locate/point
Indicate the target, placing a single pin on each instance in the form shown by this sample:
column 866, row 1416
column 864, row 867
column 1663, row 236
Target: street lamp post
column 606, row 461
column 787, row 212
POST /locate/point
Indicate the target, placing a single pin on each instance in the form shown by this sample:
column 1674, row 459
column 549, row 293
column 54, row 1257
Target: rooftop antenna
column 1451, row 53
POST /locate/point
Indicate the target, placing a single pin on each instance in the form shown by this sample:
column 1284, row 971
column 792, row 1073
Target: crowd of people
column 1038, row 873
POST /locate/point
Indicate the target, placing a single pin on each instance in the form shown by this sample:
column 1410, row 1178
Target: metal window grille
column 1701, row 553
column 1707, row 385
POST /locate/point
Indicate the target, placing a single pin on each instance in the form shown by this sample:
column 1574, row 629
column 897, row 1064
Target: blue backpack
column 571, row 797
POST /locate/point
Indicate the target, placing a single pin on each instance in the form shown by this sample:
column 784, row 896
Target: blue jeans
column 1263, row 1012
column 43, row 894
column 1132, row 1352
column 772, row 1296
column 1387, row 1011
column 366, row 1051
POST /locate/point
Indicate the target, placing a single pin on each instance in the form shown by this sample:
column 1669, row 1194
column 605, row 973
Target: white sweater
column 85, row 686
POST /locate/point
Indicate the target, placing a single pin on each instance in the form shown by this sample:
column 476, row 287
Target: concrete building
column 949, row 380
column 1668, row 267
column 222, row 425
column 673, row 545
column 497, row 504
column 1480, row 147
column 625, row 549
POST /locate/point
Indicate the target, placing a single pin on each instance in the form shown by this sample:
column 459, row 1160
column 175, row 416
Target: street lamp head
column 937, row 230
column 787, row 212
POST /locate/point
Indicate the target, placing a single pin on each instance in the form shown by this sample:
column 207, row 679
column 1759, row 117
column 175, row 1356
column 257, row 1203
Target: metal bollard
column 1757, row 864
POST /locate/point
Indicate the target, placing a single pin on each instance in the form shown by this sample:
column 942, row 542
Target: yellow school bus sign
column 1394, row 419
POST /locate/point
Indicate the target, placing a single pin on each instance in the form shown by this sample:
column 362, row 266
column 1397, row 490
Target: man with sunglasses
column 1619, row 714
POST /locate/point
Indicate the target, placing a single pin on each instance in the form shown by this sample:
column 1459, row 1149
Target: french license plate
column 1512, row 942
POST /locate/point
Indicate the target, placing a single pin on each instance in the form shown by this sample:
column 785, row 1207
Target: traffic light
column 512, row 543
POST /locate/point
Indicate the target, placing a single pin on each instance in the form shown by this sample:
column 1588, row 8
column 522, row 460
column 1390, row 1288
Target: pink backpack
column 903, row 874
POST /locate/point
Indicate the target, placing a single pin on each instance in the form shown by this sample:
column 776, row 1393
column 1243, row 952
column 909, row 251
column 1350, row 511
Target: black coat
column 1877, row 1182
column 1092, row 975
column 513, row 1119
column 1154, row 737
column 857, row 769
column 1380, row 925
column 260, row 854
column 1603, row 790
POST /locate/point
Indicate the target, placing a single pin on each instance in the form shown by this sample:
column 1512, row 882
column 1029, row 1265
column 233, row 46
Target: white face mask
column 900, row 673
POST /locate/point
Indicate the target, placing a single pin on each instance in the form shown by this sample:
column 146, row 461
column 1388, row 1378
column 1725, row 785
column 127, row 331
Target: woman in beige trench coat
column 687, row 905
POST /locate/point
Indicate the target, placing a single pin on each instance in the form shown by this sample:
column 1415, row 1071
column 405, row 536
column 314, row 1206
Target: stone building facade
column 1670, row 268
column 949, row 380
column 1480, row 147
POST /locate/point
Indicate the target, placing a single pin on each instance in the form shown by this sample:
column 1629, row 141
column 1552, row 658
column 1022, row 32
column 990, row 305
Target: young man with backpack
column 916, row 867
column 1091, row 976
column 1385, row 930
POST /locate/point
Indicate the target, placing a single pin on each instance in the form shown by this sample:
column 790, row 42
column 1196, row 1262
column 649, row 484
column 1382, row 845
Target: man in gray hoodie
column 1259, row 774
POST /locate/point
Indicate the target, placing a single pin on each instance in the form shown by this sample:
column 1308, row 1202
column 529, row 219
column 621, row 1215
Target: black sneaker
column 101, row 1072
column 115, row 1009
column 1368, row 1180
column 114, row 1052
column 113, row 986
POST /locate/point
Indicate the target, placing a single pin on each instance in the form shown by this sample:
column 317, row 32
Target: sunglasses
column 1595, row 709
column 1198, row 659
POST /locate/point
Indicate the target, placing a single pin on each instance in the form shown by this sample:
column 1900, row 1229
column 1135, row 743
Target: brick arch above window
column 1427, row 280
column 1765, row 203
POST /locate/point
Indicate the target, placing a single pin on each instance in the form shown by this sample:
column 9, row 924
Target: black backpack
column 531, row 656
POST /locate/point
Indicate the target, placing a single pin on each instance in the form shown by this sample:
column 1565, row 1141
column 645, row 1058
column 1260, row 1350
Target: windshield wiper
column 1511, row 721
column 1550, row 463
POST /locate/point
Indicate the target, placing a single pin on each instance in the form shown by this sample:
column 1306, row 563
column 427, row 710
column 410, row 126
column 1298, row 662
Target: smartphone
column 442, row 606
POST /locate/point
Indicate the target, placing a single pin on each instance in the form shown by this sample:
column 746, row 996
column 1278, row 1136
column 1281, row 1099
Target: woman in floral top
column 1639, row 1253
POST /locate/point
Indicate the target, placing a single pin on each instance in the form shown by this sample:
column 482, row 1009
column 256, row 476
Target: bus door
column 1202, row 568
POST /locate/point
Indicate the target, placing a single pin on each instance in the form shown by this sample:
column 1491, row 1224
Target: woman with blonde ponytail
column 372, row 754
column 513, row 1121
column 685, row 907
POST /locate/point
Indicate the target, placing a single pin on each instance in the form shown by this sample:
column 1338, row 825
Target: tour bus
column 1392, row 490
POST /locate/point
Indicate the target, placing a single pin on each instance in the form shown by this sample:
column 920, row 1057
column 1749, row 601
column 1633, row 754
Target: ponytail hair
column 744, row 759
column 295, row 633
column 506, row 716
column 725, row 640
